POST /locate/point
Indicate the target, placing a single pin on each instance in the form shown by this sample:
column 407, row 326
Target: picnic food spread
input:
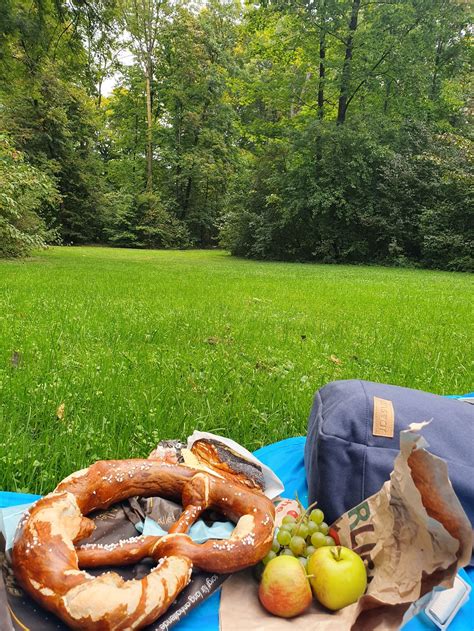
column 302, row 548
column 304, row 568
column 47, row 565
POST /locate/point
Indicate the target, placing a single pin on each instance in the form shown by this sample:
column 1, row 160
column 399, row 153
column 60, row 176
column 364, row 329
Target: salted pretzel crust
column 48, row 565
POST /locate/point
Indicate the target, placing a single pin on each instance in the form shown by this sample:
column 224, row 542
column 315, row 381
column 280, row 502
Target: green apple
column 284, row 589
column 337, row 575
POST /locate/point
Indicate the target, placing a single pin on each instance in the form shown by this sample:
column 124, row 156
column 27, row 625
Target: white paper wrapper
column 273, row 485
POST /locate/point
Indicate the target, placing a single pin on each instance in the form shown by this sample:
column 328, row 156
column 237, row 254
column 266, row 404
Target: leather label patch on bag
column 384, row 418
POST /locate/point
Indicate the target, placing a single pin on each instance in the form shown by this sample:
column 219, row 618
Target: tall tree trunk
column 346, row 68
column 322, row 64
column 189, row 184
column 435, row 83
column 322, row 74
column 388, row 89
column 135, row 145
column 99, row 93
column 296, row 106
column 178, row 119
column 187, row 197
column 149, row 134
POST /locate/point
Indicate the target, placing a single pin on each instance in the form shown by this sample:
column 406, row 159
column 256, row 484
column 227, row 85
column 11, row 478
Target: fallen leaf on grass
column 16, row 359
column 256, row 301
column 60, row 412
column 336, row 360
column 212, row 340
column 193, row 384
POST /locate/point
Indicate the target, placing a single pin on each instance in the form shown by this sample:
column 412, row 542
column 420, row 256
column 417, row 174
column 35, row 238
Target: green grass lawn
column 145, row 345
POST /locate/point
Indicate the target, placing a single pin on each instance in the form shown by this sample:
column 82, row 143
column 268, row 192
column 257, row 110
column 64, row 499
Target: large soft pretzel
column 46, row 563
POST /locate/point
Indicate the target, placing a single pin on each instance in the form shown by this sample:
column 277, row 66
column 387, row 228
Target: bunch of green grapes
column 300, row 536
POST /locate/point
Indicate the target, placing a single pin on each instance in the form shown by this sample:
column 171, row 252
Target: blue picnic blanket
column 286, row 459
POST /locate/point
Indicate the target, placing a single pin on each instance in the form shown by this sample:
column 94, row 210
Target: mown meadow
column 103, row 352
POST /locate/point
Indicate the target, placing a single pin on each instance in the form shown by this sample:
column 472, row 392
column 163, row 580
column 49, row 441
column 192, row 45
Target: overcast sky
column 125, row 57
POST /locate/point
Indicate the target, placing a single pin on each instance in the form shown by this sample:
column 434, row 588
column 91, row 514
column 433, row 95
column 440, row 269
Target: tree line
column 325, row 130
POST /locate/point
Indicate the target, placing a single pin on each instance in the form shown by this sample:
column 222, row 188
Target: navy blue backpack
column 353, row 439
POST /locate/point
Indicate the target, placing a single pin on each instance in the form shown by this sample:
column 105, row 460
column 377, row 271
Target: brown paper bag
column 413, row 535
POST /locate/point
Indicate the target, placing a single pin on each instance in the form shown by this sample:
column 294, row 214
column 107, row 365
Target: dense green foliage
column 145, row 345
column 326, row 130
column 367, row 201
column 354, row 123
column 25, row 190
column 46, row 109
